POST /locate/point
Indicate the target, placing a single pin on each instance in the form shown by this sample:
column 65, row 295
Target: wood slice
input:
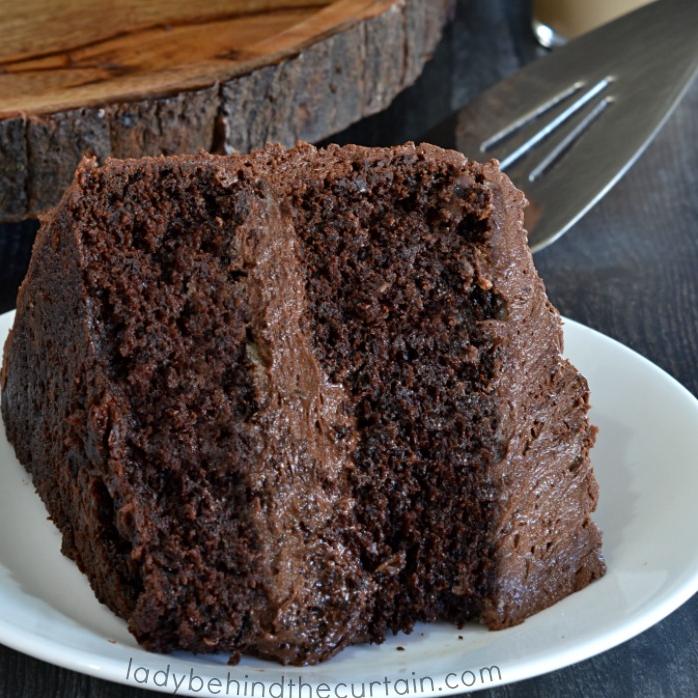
column 132, row 78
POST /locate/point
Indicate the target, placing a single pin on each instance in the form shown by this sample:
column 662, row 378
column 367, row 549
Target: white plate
column 646, row 463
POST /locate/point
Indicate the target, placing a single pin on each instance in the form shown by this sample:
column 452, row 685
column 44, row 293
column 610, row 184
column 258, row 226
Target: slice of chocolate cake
column 285, row 402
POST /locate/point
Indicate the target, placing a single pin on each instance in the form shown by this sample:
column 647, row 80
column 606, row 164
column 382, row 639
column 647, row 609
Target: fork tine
column 548, row 128
column 508, row 131
column 559, row 149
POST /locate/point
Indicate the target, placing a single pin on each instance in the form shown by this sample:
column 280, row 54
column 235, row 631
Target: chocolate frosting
column 314, row 592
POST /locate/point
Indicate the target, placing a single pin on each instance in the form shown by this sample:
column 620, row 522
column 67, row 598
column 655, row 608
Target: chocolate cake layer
column 285, row 402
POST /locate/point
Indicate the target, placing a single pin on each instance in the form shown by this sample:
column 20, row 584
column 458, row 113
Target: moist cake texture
column 290, row 401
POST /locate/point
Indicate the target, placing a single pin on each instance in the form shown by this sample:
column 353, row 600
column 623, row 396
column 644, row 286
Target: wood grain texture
column 64, row 25
column 149, row 78
column 629, row 269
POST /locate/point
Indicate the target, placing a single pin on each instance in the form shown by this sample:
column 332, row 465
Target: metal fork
column 568, row 126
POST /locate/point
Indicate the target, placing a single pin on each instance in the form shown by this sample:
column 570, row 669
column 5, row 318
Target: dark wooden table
column 628, row 269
